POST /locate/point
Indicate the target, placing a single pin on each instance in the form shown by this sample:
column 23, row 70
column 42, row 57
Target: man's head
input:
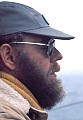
column 27, row 51
column 31, row 64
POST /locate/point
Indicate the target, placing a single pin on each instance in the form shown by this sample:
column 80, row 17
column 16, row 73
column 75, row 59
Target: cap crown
column 15, row 17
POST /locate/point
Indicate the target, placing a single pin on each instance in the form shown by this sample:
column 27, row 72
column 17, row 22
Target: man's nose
column 56, row 55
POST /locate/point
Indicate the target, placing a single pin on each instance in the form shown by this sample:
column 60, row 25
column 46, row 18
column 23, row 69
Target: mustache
column 55, row 68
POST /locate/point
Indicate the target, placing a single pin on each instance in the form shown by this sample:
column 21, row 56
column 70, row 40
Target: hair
column 11, row 38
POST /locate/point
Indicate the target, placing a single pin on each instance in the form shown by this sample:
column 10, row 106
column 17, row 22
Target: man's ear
column 7, row 56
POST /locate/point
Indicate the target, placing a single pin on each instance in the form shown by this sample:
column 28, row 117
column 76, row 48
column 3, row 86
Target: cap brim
column 51, row 32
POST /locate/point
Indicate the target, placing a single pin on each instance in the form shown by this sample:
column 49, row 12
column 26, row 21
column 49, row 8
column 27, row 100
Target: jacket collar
column 17, row 99
column 9, row 94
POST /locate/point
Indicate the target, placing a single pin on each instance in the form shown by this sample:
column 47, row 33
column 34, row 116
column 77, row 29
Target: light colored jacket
column 13, row 106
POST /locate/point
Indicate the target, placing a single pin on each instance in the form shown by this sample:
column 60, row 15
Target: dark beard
column 47, row 92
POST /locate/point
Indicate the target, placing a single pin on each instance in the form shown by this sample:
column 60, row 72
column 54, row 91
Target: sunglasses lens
column 51, row 47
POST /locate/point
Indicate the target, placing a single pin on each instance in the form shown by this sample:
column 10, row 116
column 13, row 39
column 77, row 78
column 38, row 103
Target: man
column 28, row 62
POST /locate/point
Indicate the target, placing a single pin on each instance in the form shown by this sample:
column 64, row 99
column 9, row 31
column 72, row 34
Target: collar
column 13, row 91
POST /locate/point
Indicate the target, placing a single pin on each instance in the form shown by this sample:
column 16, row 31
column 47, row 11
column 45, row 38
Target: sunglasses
column 50, row 45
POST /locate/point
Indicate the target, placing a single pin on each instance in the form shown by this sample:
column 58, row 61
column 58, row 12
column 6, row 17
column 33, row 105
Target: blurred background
column 67, row 16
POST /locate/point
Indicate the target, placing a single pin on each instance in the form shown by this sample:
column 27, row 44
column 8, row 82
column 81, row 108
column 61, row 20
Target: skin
column 35, row 52
column 33, row 60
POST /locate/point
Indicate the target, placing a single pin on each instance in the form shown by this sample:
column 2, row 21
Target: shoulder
column 11, row 112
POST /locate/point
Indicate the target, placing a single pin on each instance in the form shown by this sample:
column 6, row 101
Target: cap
column 16, row 17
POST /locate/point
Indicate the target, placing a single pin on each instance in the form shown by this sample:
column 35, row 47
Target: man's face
column 37, row 72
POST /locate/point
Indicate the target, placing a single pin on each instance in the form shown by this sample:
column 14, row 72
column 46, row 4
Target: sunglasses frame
column 50, row 45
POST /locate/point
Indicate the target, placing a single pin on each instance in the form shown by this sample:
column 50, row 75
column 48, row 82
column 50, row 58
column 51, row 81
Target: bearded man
column 28, row 62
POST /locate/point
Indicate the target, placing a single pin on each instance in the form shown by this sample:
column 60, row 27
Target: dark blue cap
column 15, row 17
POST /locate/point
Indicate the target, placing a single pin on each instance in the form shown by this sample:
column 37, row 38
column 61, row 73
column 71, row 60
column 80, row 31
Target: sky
column 66, row 16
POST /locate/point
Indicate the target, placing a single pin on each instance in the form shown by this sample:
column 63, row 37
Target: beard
column 47, row 92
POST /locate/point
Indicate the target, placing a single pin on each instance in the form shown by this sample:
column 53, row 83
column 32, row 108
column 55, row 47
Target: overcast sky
column 67, row 16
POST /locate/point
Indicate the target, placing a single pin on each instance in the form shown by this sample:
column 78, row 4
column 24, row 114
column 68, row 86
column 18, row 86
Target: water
column 72, row 106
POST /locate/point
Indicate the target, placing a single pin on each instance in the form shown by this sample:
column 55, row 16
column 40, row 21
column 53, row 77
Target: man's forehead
column 36, row 38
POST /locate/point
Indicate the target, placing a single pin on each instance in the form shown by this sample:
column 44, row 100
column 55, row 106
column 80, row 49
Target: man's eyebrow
column 45, row 40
